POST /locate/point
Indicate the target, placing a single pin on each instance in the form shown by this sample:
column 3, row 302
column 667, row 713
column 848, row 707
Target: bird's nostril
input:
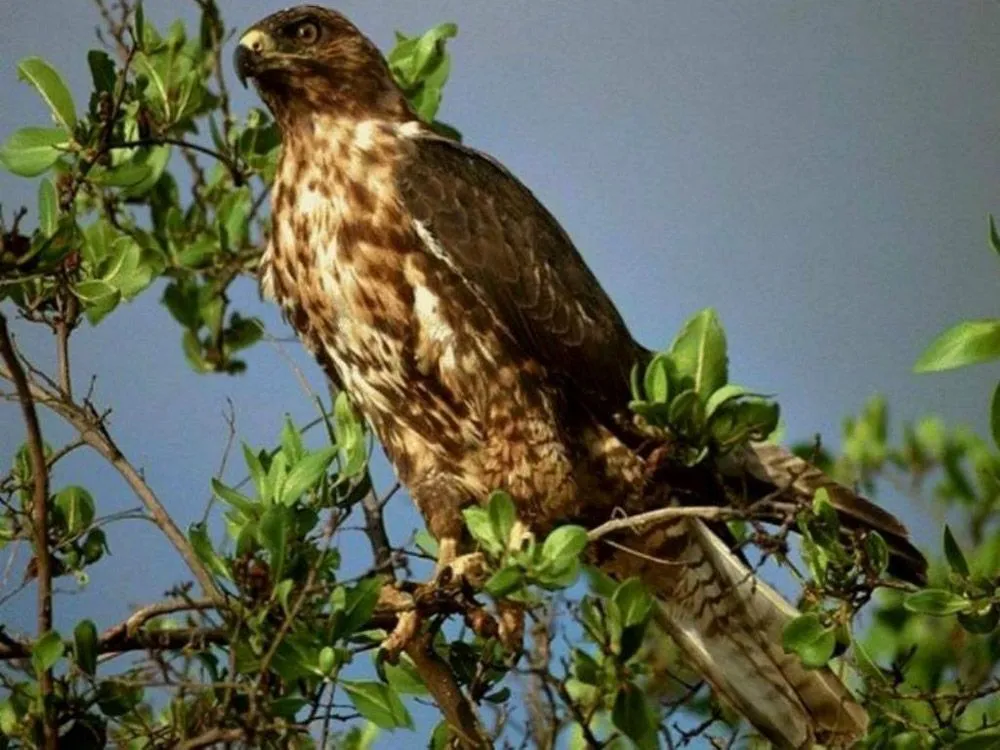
column 257, row 46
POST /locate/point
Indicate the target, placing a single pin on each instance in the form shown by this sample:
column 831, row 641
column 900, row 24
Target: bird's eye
column 307, row 32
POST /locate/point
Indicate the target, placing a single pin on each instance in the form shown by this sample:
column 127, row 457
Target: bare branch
column 444, row 688
column 705, row 513
column 39, row 502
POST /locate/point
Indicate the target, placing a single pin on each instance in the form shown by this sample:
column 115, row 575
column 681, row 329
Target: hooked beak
column 251, row 53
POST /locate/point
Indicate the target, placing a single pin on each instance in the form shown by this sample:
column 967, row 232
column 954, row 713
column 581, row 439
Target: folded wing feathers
column 730, row 625
column 780, row 468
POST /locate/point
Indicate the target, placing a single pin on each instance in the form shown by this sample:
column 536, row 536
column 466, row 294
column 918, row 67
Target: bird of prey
column 440, row 293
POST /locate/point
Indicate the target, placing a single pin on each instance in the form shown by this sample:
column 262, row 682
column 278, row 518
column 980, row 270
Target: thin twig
column 92, row 431
column 64, row 327
column 39, row 502
column 234, row 170
column 705, row 513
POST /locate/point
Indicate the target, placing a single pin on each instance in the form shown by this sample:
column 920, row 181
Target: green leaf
column 936, row 602
column 237, row 500
column 305, row 474
column 363, row 737
column 378, row 703
column 687, row 414
column 877, row 551
column 559, row 575
column 138, row 175
column 825, row 525
column 984, row 740
column 9, row 719
column 243, row 332
column 327, row 660
column 737, row 421
column 866, row 664
column 405, row 678
column 810, row 639
column 47, row 651
column 585, row 667
column 426, row 543
column 631, row 716
column 94, row 546
column 633, row 601
column 99, row 298
column 282, row 591
column 234, row 217
column 139, row 25
column 77, row 508
column 30, row 151
column 181, row 300
column 102, row 70
column 968, row 343
column 116, row 698
column 52, row 88
column 477, row 520
column 202, row 545
column 723, row 395
column 127, row 273
column 350, row 437
column 699, row 354
column 256, row 469
column 85, row 646
column 359, row 605
column 429, row 46
column 564, row 545
column 954, row 554
column 505, row 581
column 635, row 384
column 48, row 207
column 994, row 236
column 503, row 514
column 656, row 382
column 272, row 533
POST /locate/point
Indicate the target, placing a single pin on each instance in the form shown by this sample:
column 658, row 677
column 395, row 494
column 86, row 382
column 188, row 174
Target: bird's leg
column 450, row 566
column 441, row 503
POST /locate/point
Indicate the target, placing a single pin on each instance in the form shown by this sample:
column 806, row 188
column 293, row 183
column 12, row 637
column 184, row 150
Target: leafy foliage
column 684, row 393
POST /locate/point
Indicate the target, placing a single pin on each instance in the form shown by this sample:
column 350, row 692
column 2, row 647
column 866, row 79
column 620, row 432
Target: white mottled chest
column 332, row 265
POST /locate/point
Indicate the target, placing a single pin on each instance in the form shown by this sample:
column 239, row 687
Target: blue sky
column 818, row 172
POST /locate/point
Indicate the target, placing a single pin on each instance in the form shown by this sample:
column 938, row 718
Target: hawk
column 440, row 293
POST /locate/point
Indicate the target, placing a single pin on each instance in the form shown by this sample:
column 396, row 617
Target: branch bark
column 447, row 693
column 39, row 512
column 118, row 641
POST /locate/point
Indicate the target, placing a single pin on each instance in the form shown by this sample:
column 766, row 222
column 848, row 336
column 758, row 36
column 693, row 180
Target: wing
column 492, row 232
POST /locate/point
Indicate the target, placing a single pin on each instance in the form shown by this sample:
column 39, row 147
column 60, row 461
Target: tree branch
column 705, row 513
column 39, row 510
column 118, row 641
column 447, row 693
column 93, row 433
column 234, row 170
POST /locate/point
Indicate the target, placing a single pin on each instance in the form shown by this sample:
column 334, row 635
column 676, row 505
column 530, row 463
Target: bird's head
column 309, row 58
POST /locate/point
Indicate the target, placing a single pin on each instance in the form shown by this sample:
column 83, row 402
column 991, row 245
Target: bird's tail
column 729, row 626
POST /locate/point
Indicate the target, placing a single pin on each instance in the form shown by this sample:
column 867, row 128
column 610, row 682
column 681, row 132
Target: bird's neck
column 300, row 106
